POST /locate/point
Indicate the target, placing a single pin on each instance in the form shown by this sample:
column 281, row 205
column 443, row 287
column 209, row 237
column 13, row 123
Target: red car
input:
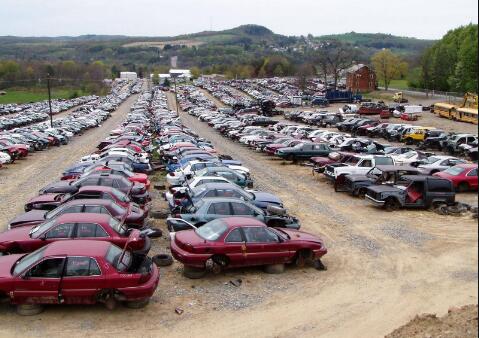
column 70, row 226
column 270, row 149
column 131, row 176
column 463, row 176
column 243, row 241
column 77, row 272
column 133, row 216
column 14, row 150
column 51, row 201
column 320, row 162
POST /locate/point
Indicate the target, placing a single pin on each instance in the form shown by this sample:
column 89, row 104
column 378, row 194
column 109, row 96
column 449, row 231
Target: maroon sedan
column 133, row 216
column 243, row 241
column 77, row 272
column 70, row 226
column 320, row 162
column 270, row 149
column 51, row 201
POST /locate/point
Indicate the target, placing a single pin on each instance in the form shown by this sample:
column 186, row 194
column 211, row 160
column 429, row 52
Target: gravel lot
column 383, row 268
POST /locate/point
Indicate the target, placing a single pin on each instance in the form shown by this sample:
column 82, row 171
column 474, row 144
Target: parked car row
column 217, row 221
column 358, row 165
column 19, row 142
column 84, row 240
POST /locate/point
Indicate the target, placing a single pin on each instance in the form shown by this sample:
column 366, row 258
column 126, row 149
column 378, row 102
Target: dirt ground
column 383, row 268
column 457, row 323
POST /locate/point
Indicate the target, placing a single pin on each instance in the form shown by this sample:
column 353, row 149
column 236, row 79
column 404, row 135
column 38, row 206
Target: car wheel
column 463, row 187
column 29, row 309
column 391, row 204
column 303, row 257
column 274, row 268
column 137, row 304
column 440, row 208
column 361, row 193
column 155, row 233
column 193, row 273
column 162, row 260
column 318, row 265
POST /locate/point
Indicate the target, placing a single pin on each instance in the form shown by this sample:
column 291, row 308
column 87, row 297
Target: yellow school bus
column 444, row 110
column 466, row 115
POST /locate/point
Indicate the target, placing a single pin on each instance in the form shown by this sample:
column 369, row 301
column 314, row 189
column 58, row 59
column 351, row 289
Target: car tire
column 303, row 257
column 162, row 260
column 463, row 187
column 274, row 268
column 160, row 214
column 137, row 304
column 361, row 193
column 156, row 233
column 193, row 273
column 29, row 309
column 318, row 265
column 391, row 204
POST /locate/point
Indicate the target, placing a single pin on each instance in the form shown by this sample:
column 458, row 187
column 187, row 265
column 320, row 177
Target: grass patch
column 37, row 94
column 399, row 84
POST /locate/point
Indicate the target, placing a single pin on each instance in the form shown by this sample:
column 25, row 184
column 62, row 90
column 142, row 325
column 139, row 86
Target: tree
column 333, row 57
column 388, row 66
column 304, row 72
column 195, row 72
column 156, row 78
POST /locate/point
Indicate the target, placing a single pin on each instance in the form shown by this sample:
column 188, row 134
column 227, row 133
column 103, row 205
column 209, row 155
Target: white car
column 5, row 158
column 197, row 181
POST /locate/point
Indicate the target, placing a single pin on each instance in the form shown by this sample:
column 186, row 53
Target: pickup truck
column 304, row 151
column 357, row 165
column 417, row 192
column 382, row 174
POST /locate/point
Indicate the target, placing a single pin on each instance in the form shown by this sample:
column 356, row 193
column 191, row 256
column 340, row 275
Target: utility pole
column 50, row 100
column 176, row 94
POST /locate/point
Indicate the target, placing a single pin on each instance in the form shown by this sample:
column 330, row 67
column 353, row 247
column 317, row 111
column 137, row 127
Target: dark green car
column 304, row 151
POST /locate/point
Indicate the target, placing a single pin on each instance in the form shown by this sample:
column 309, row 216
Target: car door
column 82, row 280
column 59, row 232
column 242, row 209
column 235, row 248
column 472, row 178
column 40, row 284
column 262, row 246
column 217, row 210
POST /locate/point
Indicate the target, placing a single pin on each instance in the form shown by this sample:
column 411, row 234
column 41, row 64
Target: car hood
column 6, row 264
column 31, row 216
column 358, row 178
column 261, row 196
column 322, row 160
column 20, row 233
column 44, row 198
column 296, row 235
column 384, row 188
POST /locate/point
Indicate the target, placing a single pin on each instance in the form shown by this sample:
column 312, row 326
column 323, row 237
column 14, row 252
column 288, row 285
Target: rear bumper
column 145, row 290
column 187, row 258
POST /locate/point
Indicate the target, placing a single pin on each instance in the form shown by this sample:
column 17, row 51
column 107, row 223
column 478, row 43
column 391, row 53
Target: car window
column 366, row 163
column 473, row 172
column 61, row 231
column 242, row 209
column 229, row 193
column 90, row 195
column 65, row 209
column 260, row 235
column 113, row 256
column 212, row 231
column 219, row 208
column 439, row 185
column 86, row 230
column 234, row 236
column 211, row 193
column 28, row 260
column 93, row 209
column 106, row 182
column 48, row 268
column 81, row 266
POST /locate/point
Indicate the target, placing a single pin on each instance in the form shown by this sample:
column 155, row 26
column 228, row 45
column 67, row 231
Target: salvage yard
column 382, row 268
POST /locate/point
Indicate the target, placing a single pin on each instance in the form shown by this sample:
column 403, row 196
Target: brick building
column 360, row 78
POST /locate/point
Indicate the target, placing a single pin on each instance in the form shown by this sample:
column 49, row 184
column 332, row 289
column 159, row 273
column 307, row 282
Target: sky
column 429, row 19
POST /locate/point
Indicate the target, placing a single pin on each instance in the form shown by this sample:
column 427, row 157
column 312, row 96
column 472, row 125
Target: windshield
column 118, row 210
column 28, row 260
column 202, row 172
column 454, row 171
column 119, row 195
column 41, row 228
column 117, row 226
column 212, row 231
column 113, row 257
column 199, row 190
column 191, row 209
column 431, row 160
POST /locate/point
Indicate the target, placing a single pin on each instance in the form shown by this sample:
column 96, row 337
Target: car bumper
column 375, row 201
column 188, row 258
column 145, row 290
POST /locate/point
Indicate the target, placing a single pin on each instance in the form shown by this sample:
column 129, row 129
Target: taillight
column 172, row 174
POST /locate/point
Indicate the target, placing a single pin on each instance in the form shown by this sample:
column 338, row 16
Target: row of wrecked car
column 19, row 142
column 216, row 219
column 392, row 177
column 84, row 239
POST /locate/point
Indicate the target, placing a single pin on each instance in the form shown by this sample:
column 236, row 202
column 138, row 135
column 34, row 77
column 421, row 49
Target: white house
column 181, row 74
column 128, row 75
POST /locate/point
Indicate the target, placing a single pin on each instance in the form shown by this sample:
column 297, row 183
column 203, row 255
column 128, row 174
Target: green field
column 25, row 96
column 399, row 84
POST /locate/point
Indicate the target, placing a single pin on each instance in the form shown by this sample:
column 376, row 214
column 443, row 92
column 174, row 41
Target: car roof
column 222, row 185
column 90, row 201
column 83, row 218
column 467, row 165
column 420, row 177
column 241, row 221
column 77, row 248
column 389, row 167
column 98, row 188
column 222, row 199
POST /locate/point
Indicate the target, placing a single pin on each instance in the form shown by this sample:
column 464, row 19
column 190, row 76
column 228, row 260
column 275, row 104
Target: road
column 22, row 180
